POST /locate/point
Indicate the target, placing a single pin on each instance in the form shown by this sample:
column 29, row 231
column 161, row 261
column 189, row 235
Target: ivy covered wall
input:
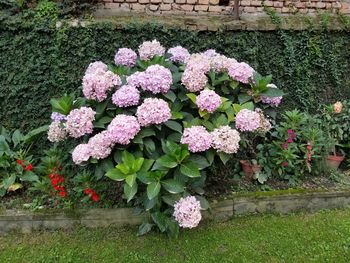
column 39, row 61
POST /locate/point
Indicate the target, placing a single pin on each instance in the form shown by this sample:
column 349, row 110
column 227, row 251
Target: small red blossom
column 62, row 193
column 20, row 162
column 92, row 193
column 29, row 167
column 284, row 164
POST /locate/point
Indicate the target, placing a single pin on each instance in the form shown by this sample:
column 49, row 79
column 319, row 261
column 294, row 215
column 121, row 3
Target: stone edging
column 27, row 221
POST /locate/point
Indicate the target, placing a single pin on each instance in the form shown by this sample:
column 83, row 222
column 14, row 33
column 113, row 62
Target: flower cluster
column 57, row 181
column 226, row 139
column 187, row 212
column 56, row 132
column 241, row 72
column 79, row 122
column 98, row 81
column 125, row 57
column 153, row 111
column 197, row 138
column 179, row 54
column 100, row 145
column 123, row 129
column 273, row 101
column 55, row 116
column 149, row 49
column 92, row 193
column 210, row 53
column 156, row 79
column 81, row 153
column 221, row 63
column 27, row 167
column 247, row 120
column 126, row 96
column 337, row 107
column 194, row 78
column 291, row 137
column 208, row 100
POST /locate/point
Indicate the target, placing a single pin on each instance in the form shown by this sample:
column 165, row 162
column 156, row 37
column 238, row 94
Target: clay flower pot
column 249, row 169
column 333, row 161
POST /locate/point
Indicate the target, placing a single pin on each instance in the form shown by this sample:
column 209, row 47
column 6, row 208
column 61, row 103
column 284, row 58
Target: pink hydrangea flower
column 123, row 129
column 100, row 145
column 221, row 63
column 210, row 53
column 79, row 122
column 125, row 57
column 194, row 78
column 187, row 212
column 81, row 153
column 96, row 66
column 126, row 96
column 208, row 100
column 56, row 132
column 156, row 79
column 226, row 139
column 179, row 54
column 149, row 49
column 197, row 138
column 98, row 81
column 247, row 120
column 153, row 111
column 273, row 101
column 241, row 72
column 55, row 116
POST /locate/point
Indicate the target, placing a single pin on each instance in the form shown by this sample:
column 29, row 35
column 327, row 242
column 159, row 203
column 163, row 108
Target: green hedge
column 38, row 62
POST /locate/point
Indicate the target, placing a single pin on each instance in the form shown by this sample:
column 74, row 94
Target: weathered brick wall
column 224, row 7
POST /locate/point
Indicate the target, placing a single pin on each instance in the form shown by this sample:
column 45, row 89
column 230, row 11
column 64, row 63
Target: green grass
column 319, row 237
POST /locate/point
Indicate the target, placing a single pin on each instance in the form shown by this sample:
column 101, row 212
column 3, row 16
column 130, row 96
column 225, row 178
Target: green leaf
column 192, row 97
column 128, row 158
column 17, row 137
column 29, row 177
column 144, row 229
column 137, row 164
column 149, row 145
column 171, row 199
column 172, row 228
column 130, row 179
column 143, row 134
column 204, row 202
column 190, row 169
column 123, row 168
column 130, row 191
column 237, row 108
column 200, row 160
column 146, row 165
column 173, row 186
column 153, row 190
column 175, row 115
column 248, row 105
column 30, row 136
column 116, row 174
column 243, row 98
column 272, row 92
column 150, row 203
column 146, row 177
column 224, row 157
column 166, row 161
column 174, row 126
column 62, row 105
column 6, row 183
column 170, row 95
column 4, row 147
column 160, row 219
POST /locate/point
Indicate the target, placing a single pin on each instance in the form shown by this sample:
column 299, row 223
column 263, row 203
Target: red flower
column 19, row 161
column 62, row 193
column 92, row 193
column 29, row 167
column 95, row 197
column 284, row 164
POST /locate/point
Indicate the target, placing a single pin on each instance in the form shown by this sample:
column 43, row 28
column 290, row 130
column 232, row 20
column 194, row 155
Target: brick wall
column 224, row 7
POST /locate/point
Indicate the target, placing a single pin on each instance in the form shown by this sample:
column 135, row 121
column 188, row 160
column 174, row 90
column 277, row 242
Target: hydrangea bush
column 157, row 120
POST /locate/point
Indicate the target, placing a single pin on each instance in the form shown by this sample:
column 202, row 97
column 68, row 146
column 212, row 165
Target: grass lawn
column 320, row 237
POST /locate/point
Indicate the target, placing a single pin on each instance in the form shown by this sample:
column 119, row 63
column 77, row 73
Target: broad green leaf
column 175, row 115
column 170, row 95
column 204, row 202
column 248, row 105
column 146, row 165
column 116, row 174
column 171, row 199
column 29, row 177
column 237, row 108
column 173, row 186
column 146, row 177
column 4, row 147
column 130, row 179
column 62, row 105
column 192, row 97
column 224, row 157
column 123, row 168
column 166, row 161
column 130, row 191
column 190, row 169
column 144, row 229
column 172, row 228
column 150, row 203
column 6, row 183
column 272, row 92
column 153, row 190
column 30, row 136
column 200, row 160
column 160, row 220
column 17, row 137
column 174, row 126
column 149, row 145
column 243, row 98
column 128, row 158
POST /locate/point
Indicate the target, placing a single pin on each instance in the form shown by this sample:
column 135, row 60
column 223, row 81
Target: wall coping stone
column 236, row 205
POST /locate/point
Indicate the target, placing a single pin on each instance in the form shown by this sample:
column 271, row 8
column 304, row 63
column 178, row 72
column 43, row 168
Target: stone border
column 27, row 221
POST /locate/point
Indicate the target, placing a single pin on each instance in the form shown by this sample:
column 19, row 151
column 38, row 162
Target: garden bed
column 279, row 202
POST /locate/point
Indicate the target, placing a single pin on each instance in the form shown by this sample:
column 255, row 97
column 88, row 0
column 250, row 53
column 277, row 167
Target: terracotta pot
column 333, row 161
column 249, row 169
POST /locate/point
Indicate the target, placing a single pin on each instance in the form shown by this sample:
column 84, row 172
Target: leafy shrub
column 186, row 107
